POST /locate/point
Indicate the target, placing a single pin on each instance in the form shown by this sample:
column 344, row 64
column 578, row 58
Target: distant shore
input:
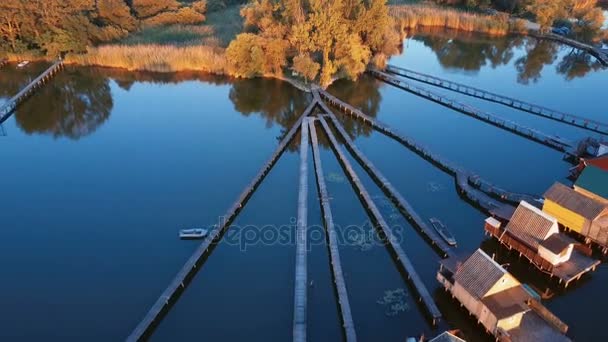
column 168, row 58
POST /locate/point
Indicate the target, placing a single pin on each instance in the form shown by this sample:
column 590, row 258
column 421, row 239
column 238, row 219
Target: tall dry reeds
column 157, row 58
column 409, row 17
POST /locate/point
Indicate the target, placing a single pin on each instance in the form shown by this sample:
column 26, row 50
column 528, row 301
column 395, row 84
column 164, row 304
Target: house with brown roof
column 584, row 215
column 536, row 236
column 498, row 301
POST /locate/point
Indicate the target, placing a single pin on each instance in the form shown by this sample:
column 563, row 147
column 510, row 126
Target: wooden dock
column 553, row 142
column 189, row 269
column 301, row 274
column 402, row 259
column 481, row 193
column 570, row 119
column 9, row 107
column 405, row 208
column 348, row 324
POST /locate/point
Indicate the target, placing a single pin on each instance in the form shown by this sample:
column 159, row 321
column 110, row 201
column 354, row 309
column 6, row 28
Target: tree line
column 584, row 16
column 51, row 27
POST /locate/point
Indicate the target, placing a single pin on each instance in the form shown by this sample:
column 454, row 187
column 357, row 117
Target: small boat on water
column 443, row 231
column 194, row 233
column 23, row 64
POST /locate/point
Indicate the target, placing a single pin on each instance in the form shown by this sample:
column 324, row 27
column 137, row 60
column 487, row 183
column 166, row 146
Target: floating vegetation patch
column 334, row 177
column 394, row 302
column 434, row 187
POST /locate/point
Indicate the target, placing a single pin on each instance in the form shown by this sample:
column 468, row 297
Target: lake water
column 103, row 167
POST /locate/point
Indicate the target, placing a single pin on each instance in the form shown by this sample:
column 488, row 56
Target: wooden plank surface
column 350, row 334
column 301, row 272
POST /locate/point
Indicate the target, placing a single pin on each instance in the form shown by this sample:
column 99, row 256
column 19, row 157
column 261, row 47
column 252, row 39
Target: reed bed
column 410, row 17
column 153, row 57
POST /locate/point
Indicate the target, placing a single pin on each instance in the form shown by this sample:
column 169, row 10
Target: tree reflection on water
column 471, row 52
column 78, row 102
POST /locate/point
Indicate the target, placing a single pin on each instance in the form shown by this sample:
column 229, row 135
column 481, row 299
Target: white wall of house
column 555, row 259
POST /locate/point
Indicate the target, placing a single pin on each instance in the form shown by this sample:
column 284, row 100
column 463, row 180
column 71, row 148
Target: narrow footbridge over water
column 535, row 109
column 9, row 107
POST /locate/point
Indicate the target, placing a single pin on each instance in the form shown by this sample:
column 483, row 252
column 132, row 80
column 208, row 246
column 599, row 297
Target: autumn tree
column 306, row 66
column 150, row 8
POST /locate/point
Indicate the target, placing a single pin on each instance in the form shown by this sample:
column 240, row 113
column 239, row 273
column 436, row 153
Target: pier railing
column 570, row 119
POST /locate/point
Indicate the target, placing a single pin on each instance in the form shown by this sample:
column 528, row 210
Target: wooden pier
column 348, row 324
column 301, row 275
column 395, row 246
column 9, row 107
column 189, row 269
column 405, row 208
column 484, row 191
column 570, row 119
column 600, row 54
column 553, row 142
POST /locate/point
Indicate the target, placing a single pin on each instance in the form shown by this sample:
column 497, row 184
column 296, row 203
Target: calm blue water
column 103, row 167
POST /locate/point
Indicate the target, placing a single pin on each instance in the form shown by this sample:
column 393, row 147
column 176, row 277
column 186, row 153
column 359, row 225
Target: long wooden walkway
column 301, row 275
column 7, row 109
column 464, row 178
column 600, row 54
column 180, row 281
column 395, row 246
column 570, row 119
column 405, row 208
column 554, row 142
column 334, row 252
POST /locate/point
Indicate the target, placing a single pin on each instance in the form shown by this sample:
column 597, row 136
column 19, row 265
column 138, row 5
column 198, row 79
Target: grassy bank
column 154, row 57
column 171, row 48
column 410, row 17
